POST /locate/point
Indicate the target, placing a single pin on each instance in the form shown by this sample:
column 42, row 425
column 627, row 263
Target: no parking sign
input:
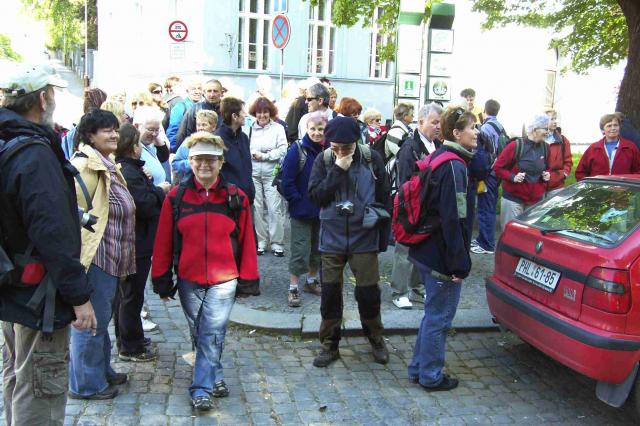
column 280, row 31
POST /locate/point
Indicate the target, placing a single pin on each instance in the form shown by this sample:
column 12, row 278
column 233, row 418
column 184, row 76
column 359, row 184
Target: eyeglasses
column 137, row 103
column 312, row 99
column 210, row 159
column 157, row 92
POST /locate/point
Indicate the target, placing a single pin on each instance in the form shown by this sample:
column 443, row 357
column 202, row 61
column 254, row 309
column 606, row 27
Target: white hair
column 539, row 121
column 144, row 114
column 428, row 109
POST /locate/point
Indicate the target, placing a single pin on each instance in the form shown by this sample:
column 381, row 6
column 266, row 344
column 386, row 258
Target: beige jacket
column 98, row 181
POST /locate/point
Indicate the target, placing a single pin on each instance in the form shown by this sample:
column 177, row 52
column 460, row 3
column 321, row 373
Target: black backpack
column 277, row 177
column 380, row 144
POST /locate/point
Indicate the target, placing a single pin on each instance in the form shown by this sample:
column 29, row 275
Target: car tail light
column 608, row 290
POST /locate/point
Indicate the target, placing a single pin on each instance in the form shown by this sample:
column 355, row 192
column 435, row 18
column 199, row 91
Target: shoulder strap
column 443, row 158
column 302, row 155
column 13, row 146
column 328, row 157
column 235, row 205
column 497, row 128
column 519, row 146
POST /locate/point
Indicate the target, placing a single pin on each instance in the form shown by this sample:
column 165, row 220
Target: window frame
column 385, row 66
column 243, row 45
column 328, row 48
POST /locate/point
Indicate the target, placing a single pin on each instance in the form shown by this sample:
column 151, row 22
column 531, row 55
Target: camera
column 344, row 208
column 87, row 220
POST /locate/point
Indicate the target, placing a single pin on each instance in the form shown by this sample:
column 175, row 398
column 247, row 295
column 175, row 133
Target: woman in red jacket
column 611, row 155
column 524, row 177
column 209, row 220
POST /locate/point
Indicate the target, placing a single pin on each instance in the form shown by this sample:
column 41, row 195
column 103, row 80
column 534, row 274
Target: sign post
column 280, row 35
column 178, row 31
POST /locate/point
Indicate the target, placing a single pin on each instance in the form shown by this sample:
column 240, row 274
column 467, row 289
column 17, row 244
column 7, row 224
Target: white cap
column 204, row 148
column 21, row 79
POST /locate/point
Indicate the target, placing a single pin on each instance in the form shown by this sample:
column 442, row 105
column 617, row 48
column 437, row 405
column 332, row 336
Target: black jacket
column 410, row 152
column 237, row 160
column 188, row 124
column 296, row 111
column 148, row 199
column 41, row 207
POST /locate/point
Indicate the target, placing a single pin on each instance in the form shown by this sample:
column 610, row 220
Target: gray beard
column 47, row 115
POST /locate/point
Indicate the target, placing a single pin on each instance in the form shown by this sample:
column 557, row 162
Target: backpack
column 277, row 171
column 234, row 205
column 520, row 146
column 410, row 223
column 380, row 144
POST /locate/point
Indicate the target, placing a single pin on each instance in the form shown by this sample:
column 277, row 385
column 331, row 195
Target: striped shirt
column 116, row 252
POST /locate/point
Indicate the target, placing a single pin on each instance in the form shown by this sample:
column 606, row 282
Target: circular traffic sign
column 280, row 31
column 178, row 31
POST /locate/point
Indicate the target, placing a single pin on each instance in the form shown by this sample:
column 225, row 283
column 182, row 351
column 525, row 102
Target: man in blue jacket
column 212, row 95
column 345, row 179
column 41, row 235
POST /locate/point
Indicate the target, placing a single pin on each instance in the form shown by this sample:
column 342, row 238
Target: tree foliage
column 589, row 32
column 350, row 12
column 65, row 22
column 6, row 51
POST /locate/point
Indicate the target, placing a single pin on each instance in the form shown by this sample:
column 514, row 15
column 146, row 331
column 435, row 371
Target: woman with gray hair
column 522, row 166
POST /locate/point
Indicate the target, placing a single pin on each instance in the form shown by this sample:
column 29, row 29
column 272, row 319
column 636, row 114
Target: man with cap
column 345, row 181
column 40, row 234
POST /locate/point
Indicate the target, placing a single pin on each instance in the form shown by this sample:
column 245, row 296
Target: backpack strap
column 497, row 128
column 234, row 203
column 302, row 155
column 15, row 145
column 177, row 238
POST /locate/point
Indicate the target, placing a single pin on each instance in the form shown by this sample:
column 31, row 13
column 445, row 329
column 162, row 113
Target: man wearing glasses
column 317, row 99
column 346, row 180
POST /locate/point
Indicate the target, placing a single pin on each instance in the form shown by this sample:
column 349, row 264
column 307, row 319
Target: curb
column 395, row 322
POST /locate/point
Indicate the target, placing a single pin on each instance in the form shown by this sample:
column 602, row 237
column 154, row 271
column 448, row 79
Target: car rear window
column 601, row 213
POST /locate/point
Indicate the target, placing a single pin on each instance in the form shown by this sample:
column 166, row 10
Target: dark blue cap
column 342, row 130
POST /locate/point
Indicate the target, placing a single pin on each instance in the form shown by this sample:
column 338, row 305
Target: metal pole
column 281, row 71
column 86, row 41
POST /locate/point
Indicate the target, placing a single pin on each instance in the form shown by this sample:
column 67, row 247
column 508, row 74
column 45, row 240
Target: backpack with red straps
column 410, row 223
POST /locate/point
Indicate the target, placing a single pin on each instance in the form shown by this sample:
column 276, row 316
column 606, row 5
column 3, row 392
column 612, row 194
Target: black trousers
column 128, row 305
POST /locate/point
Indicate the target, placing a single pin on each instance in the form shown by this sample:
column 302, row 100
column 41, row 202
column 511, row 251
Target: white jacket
column 271, row 142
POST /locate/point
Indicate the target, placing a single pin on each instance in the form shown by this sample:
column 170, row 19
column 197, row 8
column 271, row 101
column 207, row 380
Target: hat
column 204, row 148
column 22, row 79
column 342, row 130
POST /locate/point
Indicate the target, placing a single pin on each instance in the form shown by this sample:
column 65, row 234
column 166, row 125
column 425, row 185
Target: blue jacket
column 176, row 113
column 295, row 183
column 237, row 159
column 447, row 250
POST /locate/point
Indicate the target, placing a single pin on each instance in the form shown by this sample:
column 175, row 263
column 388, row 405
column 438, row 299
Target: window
column 253, row 34
column 322, row 39
column 377, row 69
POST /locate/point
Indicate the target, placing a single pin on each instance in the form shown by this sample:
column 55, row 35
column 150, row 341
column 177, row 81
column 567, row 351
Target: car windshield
column 601, row 213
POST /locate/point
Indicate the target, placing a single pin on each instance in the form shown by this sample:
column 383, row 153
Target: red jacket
column 207, row 255
column 559, row 165
column 595, row 160
column 506, row 168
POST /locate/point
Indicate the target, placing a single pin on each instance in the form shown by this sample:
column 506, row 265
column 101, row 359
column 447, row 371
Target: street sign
column 280, row 31
column 409, row 85
column 178, row 31
column 280, row 6
column 439, row 89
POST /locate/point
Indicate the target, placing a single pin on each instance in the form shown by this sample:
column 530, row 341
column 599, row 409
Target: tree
column 65, row 22
column 6, row 51
column 590, row 33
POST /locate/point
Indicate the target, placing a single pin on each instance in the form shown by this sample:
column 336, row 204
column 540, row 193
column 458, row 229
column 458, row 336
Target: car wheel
column 635, row 398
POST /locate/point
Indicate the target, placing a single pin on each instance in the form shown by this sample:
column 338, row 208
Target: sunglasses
column 311, row 99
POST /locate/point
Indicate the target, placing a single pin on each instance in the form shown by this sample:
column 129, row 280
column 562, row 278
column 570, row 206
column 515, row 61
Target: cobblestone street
column 272, row 381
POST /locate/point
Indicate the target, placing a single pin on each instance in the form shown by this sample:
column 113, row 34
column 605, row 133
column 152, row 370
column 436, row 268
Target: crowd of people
column 189, row 184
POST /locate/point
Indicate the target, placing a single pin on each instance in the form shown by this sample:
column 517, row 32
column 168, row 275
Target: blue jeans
column 207, row 309
column 487, row 203
column 440, row 304
column 90, row 356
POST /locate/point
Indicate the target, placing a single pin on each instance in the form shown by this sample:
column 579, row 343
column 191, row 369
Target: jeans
column 207, row 309
column 90, row 357
column 487, row 204
column 440, row 306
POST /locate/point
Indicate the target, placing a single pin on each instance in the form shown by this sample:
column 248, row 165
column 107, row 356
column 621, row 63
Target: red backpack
column 410, row 222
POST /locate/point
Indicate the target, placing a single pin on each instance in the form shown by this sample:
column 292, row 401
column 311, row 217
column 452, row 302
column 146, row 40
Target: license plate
column 540, row 276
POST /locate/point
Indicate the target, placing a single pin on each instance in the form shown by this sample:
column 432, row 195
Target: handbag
column 374, row 215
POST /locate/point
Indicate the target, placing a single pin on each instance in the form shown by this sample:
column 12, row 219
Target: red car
column 567, row 281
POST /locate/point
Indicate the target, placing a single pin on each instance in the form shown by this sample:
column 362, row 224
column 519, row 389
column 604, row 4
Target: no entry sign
column 280, row 31
column 178, row 31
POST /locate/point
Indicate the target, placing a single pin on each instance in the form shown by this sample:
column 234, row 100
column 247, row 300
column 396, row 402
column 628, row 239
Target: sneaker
column 480, row 250
column 202, row 403
column 416, row 296
column 144, row 314
column 312, row 287
column 260, row 251
column 109, row 393
column 380, row 352
column 144, row 356
column 220, row 389
column 277, row 252
column 402, row 302
column 474, row 243
column 446, row 384
column 325, row 357
column 148, row 325
column 294, row 298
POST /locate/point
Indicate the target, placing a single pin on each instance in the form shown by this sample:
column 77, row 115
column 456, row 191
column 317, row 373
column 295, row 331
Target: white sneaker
column 402, row 302
column 416, row 296
column 148, row 325
column 144, row 313
column 480, row 250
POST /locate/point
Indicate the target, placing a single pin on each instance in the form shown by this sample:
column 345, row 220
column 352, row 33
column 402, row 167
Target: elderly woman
column 155, row 144
column 522, row 167
column 611, row 155
column 305, row 221
column 205, row 227
column 443, row 259
column 268, row 143
column 148, row 199
column 372, row 118
column 108, row 253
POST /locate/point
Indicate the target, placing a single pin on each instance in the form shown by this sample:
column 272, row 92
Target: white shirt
column 430, row 146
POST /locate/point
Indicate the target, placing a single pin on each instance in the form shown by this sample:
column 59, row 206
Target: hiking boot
column 202, row 403
column 144, row 356
column 380, row 352
column 325, row 357
column 312, row 287
column 220, row 389
column 446, row 384
column 294, row 298
column 109, row 393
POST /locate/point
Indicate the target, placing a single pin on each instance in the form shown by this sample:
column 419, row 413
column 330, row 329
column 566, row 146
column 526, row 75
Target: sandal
column 220, row 389
column 202, row 403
